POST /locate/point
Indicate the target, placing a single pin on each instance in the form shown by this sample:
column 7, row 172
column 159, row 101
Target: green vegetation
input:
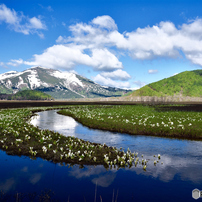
column 139, row 120
column 4, row 90
column 188, row 83
column 19, row 137
column 127, row 94
column 31, row 95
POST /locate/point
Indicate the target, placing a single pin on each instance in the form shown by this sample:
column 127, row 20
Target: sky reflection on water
column 178, row 156
column 175, row 179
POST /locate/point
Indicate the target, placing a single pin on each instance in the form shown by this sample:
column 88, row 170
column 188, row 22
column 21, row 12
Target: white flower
column 106, row 158
column 44, row 149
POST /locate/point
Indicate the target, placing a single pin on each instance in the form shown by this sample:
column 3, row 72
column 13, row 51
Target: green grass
column 188, row 83
column 31, row 95
column 139, row 120
column 19, row 137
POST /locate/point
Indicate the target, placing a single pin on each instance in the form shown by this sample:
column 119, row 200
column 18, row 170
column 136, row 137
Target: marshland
column 148, row 144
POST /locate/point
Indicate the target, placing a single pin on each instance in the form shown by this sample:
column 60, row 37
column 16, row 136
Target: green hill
column 188, row 83
column 31, row 95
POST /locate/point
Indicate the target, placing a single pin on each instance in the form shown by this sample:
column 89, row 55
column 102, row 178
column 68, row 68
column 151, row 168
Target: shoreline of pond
column 179, row 158
column 32, row 142
column 118, row 129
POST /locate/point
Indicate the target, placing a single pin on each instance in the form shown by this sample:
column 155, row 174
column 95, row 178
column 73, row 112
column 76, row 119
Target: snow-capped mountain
column 60, row 85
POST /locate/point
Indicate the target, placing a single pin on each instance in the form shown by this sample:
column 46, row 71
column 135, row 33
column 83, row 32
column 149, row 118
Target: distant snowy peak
column 60, row 85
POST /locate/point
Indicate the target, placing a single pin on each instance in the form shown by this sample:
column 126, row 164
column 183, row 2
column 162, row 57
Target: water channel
column 172, row 180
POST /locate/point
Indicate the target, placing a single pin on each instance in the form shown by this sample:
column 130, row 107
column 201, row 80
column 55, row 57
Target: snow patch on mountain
column 68, row 78
column 8, row 83
column 7, row 75
column 11, row 74
column 21, row 83
column 34, row 80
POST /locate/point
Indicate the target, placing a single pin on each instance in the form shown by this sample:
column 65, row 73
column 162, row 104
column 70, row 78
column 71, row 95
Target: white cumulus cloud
column 60, row 56
column 104, row 59
column 105, row 21
column 160, row 40
column 98, row 43
column 8, row 15
column 63, row 56
column 21, row 23
column 118, row 74
column 109, row 82
column 60, row 39
column 36, row 23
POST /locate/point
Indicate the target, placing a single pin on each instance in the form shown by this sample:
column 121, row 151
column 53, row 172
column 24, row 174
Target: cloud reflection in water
column 179, row 157
column 55, row 122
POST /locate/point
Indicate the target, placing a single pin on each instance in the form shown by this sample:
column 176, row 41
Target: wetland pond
column 172, row 179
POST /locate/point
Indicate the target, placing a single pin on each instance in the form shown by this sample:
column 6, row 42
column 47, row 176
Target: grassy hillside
column 188, row 83
column 31, row 95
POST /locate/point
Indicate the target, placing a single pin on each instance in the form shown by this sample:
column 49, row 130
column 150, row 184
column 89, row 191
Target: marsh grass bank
column 158, row 120
column 19, row 137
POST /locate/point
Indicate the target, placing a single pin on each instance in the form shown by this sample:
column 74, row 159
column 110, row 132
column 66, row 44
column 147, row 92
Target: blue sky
column 120, row 43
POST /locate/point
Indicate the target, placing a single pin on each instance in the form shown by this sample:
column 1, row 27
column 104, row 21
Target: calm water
column 173, row 180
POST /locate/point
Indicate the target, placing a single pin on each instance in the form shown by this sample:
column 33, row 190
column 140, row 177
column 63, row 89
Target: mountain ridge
column 60, row 85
